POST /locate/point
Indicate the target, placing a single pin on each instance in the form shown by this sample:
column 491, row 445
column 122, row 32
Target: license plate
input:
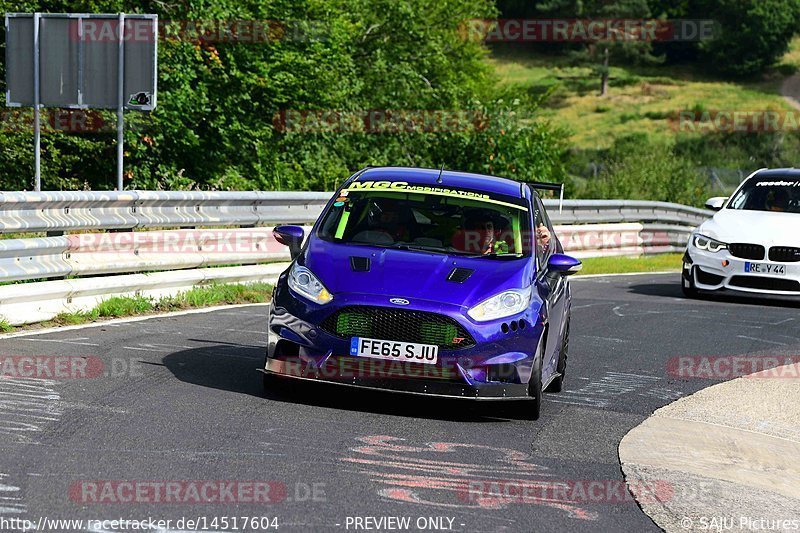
column 764, row 268
column 394, row 351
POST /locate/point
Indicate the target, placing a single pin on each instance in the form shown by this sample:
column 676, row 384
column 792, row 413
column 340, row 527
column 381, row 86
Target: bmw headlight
column 707, row 243
column 505, row 304
column 305, row 283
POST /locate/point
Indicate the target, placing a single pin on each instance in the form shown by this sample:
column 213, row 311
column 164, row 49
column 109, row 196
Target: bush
column 746, row 151
column 640, row 170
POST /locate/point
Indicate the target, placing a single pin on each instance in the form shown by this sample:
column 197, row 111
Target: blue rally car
column 427, row 282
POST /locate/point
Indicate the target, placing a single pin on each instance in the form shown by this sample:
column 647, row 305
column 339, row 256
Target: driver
column 778, row 201
column 478, row 234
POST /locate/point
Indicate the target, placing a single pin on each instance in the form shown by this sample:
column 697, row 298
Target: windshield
column 438, row 220
column 780, row 195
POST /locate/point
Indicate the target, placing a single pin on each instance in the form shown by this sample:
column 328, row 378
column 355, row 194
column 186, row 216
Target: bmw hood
column 757, row 227
column 447, row 279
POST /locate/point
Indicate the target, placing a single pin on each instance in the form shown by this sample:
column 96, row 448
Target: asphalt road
column 179, row 399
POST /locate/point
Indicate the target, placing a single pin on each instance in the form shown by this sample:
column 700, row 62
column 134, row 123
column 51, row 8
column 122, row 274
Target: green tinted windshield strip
column 342, row 224
column 515, row 225
column 453, row 194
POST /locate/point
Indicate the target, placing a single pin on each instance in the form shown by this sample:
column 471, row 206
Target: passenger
column 543, row 236
column 387, row 218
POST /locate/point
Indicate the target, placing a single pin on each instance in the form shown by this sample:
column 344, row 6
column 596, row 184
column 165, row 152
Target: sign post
column 37, row 126
column 81, row 61
column 120, row 98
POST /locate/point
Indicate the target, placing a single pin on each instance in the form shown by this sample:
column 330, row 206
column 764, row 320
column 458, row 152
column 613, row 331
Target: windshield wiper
column 495, row 255
column 417, row 248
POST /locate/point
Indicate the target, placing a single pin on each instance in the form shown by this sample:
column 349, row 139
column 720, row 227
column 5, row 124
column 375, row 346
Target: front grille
column 707, row 278
column 398, row 325
column 747, row 251
column 765, row 284
column 784, row 254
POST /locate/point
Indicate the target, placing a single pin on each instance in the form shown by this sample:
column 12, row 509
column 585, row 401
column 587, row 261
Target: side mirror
column 716, row 203
column 564, row 265
column 291, row 236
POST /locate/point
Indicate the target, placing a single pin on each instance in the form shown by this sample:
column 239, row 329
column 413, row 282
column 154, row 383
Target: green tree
column 214, row 127
column 752, row 34
column 622, row 48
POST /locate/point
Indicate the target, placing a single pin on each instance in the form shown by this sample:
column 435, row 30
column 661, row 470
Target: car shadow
column 673, row 290
column 234, row 368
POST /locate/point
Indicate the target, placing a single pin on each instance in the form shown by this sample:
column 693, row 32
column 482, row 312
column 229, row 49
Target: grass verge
column 644, row 100
column 628, row 265
column 126, row 306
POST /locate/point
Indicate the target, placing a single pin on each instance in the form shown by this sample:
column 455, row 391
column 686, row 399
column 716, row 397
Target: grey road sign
column 80, row 61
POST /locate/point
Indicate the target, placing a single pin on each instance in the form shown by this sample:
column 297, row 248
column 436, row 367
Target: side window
column 543, row 232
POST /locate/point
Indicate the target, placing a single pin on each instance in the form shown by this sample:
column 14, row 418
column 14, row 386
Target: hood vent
column 460, row 275
column 359, row 264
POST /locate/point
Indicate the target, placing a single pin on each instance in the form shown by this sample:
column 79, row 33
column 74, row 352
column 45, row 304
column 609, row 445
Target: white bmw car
column 752, row 244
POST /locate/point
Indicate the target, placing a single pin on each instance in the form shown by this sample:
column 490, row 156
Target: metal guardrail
column 145, row 263
column 76, row 210
column 92, row 254
column 631, row 238
column 620, row 211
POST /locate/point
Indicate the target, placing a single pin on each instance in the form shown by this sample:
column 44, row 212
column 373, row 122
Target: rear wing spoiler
column 542, row 186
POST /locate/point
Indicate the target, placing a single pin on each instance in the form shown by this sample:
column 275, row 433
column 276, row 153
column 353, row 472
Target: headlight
column 502, row 305
column 305, row 283
column 707, row 243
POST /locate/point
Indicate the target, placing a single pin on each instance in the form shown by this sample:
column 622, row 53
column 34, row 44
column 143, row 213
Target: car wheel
column 533, row 406
column 272, row 384
column 275, row 385
column 687, row 286
column 267, row 380
column 557, row 385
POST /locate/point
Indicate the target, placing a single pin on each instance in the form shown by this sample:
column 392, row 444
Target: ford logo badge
column 399, row 301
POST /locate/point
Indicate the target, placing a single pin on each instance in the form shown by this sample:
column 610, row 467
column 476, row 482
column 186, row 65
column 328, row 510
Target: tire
column 557, row 385
column 687, row 286
column 533, row 407
column 273, row 384
column 266, row 381
column 276, row 386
